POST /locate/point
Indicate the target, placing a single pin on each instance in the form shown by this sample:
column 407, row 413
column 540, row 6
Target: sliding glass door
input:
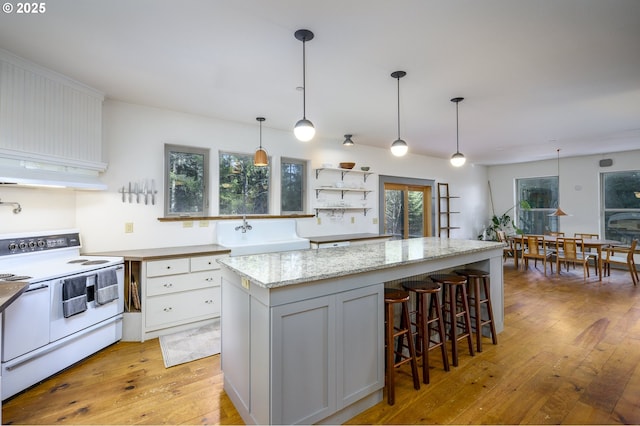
column 407, row 211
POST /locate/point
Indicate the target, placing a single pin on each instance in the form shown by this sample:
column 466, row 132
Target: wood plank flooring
column 569, row 354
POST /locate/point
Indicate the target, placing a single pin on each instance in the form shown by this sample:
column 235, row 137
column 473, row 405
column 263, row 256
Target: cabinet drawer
column 180, row 308
column 182, row 282
column 204, row 263
column 159, row 268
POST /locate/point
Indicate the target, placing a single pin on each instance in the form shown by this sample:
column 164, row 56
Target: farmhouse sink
column 249, row 236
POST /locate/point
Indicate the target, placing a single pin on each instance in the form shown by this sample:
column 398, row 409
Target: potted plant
column 504, row 222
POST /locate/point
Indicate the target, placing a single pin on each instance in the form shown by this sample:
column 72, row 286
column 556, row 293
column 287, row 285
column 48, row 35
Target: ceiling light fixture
column 347, row 140
column 399, row 147
column 558, row 211
column 304, row 129
column 260, row 158
column 457, row 159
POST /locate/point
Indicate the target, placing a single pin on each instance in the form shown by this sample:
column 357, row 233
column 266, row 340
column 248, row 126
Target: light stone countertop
column 271, row 270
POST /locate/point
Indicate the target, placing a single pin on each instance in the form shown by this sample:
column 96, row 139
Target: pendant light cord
column 304, row 80
column 260, row 134
column 457, row 131
column 398, row 107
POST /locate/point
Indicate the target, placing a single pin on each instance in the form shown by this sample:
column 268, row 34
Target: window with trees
column 541, row 194
column 244, row 188
column 621, row 205
column 293, row 183
column 186, row 178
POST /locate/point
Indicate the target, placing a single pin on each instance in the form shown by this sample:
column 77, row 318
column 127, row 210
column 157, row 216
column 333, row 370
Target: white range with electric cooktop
column 72, row 308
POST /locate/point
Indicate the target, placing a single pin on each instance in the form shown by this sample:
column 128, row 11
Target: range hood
column 62, row 177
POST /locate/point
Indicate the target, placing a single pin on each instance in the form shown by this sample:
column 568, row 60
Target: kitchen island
column 303, row 331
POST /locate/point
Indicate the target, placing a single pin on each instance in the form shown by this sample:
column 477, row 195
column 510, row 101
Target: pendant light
column 558, row 211
column 457, row 159
column 399, row 147
column 260, row 159
column 347, row 141
column 304, row 129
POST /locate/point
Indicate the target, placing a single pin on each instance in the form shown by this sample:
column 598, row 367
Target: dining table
column 589, row 243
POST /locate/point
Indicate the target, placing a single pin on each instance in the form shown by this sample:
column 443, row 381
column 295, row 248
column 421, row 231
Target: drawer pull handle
column 208, row 279
column 208, row 301
column 169, row 309
column 168, row 285
column 168, row 267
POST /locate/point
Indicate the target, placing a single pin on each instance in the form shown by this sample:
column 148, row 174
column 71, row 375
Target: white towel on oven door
column 106, row 286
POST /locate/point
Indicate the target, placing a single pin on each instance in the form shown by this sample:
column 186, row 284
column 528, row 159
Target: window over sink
column 186, row 177
column 244, row 188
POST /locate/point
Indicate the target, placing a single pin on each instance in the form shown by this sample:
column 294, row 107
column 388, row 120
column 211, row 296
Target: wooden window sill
column 233, row 217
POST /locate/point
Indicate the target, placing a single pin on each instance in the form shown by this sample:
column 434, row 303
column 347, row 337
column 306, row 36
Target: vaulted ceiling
column 536, row 75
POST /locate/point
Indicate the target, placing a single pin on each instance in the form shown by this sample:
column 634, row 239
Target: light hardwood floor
column 569, row 354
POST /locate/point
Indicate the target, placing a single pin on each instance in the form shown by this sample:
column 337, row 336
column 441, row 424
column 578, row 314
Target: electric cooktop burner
column 88, row 262
column 95, row 262
column 13, row 277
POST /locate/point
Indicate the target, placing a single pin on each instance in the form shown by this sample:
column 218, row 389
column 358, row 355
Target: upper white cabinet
column 48, row 118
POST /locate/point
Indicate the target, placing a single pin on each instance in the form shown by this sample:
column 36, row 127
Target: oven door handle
column 40, row 287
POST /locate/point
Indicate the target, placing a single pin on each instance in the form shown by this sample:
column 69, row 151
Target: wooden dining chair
column 622, row 256
column 589, row 253
column 512, row 248
column 554, row 233
column 536, row 249
column 571, row 250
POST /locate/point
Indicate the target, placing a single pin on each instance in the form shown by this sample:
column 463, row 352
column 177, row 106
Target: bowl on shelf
column 347, row 165
column 365, row 168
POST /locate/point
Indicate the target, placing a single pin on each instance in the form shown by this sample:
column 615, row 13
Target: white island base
column 311, row 350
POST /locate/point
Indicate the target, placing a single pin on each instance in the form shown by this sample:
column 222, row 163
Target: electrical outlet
column 353, row 219
column 245, row 283
column 375, row 220
column 128, row 227
column 204, row 224
column 319, row 221
column 187, row 224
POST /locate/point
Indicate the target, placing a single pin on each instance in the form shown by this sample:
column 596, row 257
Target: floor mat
column 190, row 345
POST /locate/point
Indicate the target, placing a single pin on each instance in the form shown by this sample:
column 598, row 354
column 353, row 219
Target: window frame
column 304, row 180
column 248, row 160
column 629, row 235
column 204, row 205
column 551, row 222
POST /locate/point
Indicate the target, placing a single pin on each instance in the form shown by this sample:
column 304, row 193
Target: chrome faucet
column 245, row 225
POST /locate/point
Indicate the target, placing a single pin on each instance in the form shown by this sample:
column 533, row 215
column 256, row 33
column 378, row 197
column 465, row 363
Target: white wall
column 579, row 186
column 134, row 138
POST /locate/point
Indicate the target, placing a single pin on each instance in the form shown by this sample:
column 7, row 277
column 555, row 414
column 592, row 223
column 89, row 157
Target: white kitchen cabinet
column 315, row 356
column 48, row 118
column 175, row 294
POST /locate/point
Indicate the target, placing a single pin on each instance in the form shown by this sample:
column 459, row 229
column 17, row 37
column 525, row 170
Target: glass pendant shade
column 399, row 148
column 304, row 130
column 260, row 159
column 458, row 160
column 558, row 211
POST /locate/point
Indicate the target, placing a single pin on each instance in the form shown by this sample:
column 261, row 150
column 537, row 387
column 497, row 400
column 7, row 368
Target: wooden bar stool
column 428, row 319
column 392, row 297
column 479, row 283
column 456, row 304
